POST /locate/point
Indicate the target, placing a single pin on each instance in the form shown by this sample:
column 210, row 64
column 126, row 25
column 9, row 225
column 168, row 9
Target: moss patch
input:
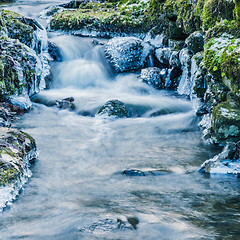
column 103, row 17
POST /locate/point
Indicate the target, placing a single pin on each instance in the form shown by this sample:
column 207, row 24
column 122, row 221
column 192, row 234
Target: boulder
column 195, row 42
column 152, row 76
column 20, row 69
column 226, row 121
column 163, row 55
column 113, row 108
column 17, row 151
column 126, row 53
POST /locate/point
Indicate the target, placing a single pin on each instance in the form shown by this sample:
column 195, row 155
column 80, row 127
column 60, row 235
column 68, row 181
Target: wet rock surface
column 126, row 53
column 112, row 225
column 152, row 76
column 226, row 162
column 113, row 108
column 17, row 151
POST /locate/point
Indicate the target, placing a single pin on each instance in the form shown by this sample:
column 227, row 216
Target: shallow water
column 78, row 191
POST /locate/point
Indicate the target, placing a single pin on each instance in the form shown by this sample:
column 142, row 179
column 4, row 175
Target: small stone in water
column 133, row 172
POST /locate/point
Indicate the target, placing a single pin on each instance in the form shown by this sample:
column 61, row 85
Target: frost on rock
column 17, row 152
column 163, row 55
column 127, row 53
column 152, row 76
column 226, row 162
column 113, row 108
column 185, row 84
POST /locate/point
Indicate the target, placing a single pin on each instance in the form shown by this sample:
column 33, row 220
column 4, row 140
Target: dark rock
column 201, row 111
column 173, row 78
column 195, row 42
column 54, row 52
column 133, row 172
column 113, row 108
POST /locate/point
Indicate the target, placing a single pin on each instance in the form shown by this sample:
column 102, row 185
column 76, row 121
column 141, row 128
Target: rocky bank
column 23, row 67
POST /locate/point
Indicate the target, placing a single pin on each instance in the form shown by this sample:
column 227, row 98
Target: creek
column 78, row 189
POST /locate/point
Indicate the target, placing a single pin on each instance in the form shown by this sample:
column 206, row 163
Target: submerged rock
column 66, row 103
column 111, row 225
column 226, row 162
column 137, row 172
column 126, row 53
column 152, row 76
column 113, row 108
column 17, row 151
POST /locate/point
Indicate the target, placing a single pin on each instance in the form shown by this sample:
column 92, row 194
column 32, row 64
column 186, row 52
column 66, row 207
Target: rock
column 163, row 55
column 152, row 76
column 137, row 172
column 174, row 60
column 22, row 101
column 111, row 225
column 66, row 103
column 17, row 151
column 102, row 18
column 126, row 53
column 133, row 172
column 195, row 42
column 175, row 45
column 226, row 162
column 113, row 108
column 173, row 78
column 54, row 52
column 226, row 121
column 18, row 27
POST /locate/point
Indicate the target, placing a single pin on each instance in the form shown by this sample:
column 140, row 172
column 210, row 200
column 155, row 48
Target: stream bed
column 107, row 178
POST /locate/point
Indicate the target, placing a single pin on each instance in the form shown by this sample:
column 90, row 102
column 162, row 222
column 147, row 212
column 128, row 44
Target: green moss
column 102, row 17
column 7, row 175
column 225, row 26
column 215, row 10
column 237, row 11
column 17, row 28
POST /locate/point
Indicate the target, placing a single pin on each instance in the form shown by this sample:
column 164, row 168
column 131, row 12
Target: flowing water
column 78, row 189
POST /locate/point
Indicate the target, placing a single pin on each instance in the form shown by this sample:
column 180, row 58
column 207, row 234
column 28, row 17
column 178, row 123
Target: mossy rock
column 226, row 121
column 223, row 27
column 215, row 10
column 222, row 60
column 18, row 69
column 106, row 18
column 17, row 150
column 113, row 108
column 17, row 28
